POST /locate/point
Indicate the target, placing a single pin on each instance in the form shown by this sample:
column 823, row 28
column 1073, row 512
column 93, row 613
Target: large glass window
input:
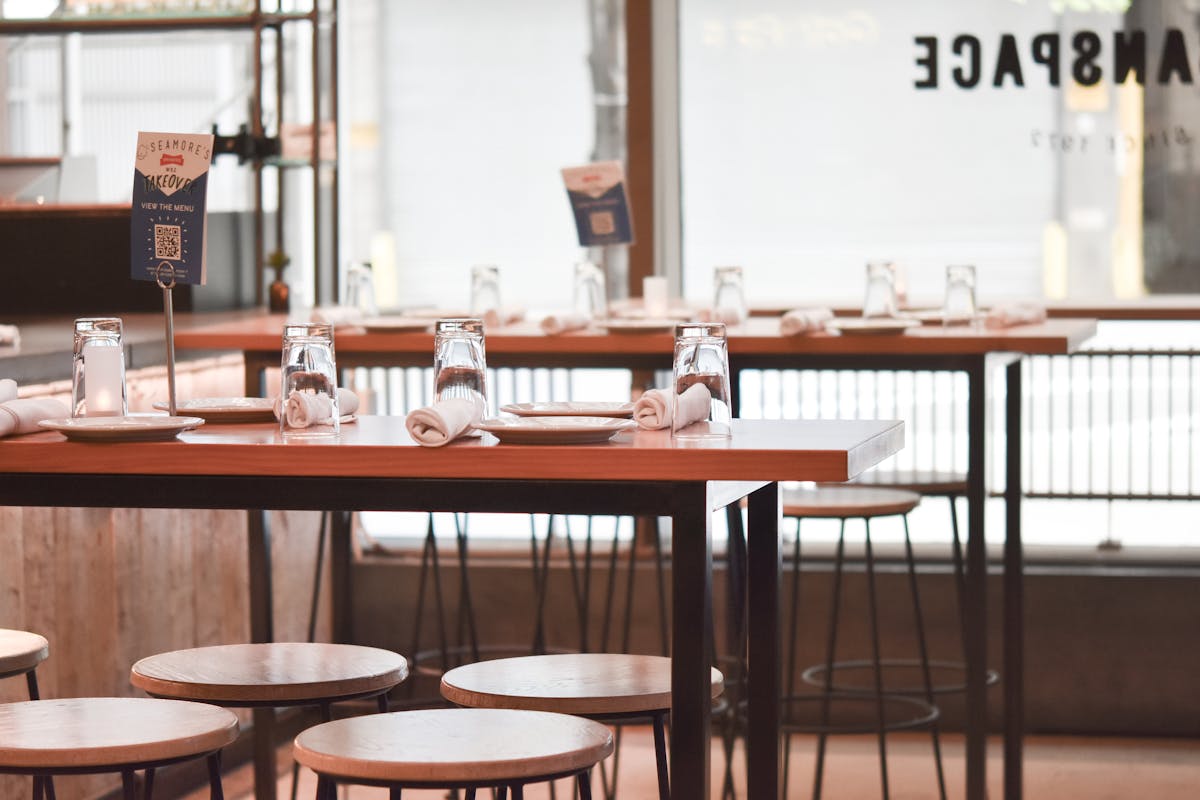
column 1050, row 143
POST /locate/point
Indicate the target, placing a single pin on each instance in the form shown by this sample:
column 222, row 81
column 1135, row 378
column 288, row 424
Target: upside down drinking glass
column 959, row 305
column 459, row 360
column 880, row 300
column 308, row 382
column 700, row 403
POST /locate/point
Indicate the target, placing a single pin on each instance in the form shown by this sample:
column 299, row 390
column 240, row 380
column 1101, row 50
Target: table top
column 380, row 447
column 757, row 336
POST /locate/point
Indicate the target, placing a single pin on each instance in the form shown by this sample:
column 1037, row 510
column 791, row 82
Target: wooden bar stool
column 112, row 734
column 453, row 748
column 276, row 675
column 607, row 687
column 866, row 503
column 20, row 654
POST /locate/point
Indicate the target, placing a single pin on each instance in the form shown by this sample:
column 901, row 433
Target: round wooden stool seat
column 592, row 684
column 921, row 481
column 274, row 674
column 107, row 733
column 450, row 747
column 848, row 501
column 21, row 651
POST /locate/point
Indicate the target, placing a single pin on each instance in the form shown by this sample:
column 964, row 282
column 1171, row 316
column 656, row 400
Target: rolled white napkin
column 496, row 317
column 652, row 411
column 10, row 335
column 22, row 416
column 8, row 390
column 1013, row 315
column 804, row 320
column 443, row 422
column 308, row 408
column 565, row 321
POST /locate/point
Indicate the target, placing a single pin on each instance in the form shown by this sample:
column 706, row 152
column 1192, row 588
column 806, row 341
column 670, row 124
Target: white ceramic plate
column 682, row 314
column 225, row 409
column 872, row 326
column 554, row 430
column 431, row 314
column 933, row 316
column 404, row 324
column 137, row 428
column 570, row 409
column 639, row 325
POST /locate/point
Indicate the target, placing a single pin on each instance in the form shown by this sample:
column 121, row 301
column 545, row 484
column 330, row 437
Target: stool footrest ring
column 815, row 676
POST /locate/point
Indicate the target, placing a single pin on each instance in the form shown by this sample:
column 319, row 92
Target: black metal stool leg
column 128, row 785
column 873, row 614
column 394, row 793
column 584, row 780
column 830, row 649
column 148, row 788
column 43, row 785
column 924, row 653
column 660, row 757
column 793, row 631
column 215, row 790
column 466, row 606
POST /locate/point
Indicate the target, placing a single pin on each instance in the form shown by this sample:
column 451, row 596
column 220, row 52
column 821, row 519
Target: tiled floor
column 1056, row 768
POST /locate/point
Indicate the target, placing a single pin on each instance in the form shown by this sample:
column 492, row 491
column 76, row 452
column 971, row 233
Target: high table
column 375, row 466
column 757, row 344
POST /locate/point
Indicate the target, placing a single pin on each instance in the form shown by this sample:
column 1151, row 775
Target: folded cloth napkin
column 308, row 408
column 496, row 317
column 23, row 416
column 337, row 315
column 8, row 390
column 565, row 321
column 9, row 335
column 444, row 421
column 1017, row 314
column 652, row 411
column 804, row 320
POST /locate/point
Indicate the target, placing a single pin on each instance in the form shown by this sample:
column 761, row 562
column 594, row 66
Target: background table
column 642, row 473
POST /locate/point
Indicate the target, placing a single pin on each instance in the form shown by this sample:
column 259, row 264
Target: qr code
column 602, row 223
column 167, row 241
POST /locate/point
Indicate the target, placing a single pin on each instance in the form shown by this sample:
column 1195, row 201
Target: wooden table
column 757, row 344
column 375, row 466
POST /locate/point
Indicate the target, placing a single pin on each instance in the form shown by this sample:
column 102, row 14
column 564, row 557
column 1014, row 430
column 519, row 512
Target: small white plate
column 225, row 409
column 871, row 326
column 137, row 428
column 681, row 313
column 554, row 430
column 639, row 325
column 431, row 314
column 405, row 324
column 570, row 409
column 933, row 316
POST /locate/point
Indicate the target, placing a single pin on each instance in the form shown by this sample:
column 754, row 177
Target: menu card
column 597, row 195
column 170, row 189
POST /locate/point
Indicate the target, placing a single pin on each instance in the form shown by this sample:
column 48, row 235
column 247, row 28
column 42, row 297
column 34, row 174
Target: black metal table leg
column 1014, row 602
column 976, row 588
column 691, row 642
column 764, row 681
column 262, row 629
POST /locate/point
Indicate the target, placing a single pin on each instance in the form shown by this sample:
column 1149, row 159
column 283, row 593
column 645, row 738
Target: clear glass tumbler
column 98, row 369
column 360, row 288
column 729, row 295
column 459, row 360
column 591, row 293
column 701, row 403
column 959, row 305
column 880, row 300
column 485, row 288
column 308, row 381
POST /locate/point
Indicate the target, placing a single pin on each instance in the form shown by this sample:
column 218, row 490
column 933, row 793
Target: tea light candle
column 654, row 296
column 104, row 379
